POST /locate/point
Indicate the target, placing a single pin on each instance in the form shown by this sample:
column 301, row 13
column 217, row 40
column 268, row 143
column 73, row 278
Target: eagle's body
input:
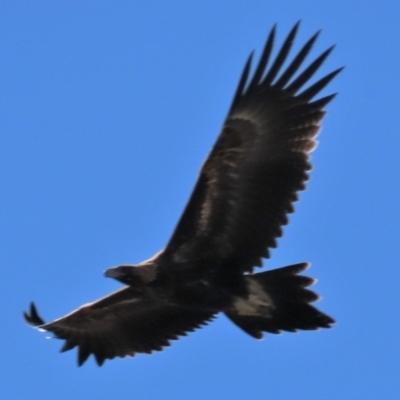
column 244, row 192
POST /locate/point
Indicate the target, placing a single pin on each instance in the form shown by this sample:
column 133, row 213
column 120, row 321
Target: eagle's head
column 128, row 274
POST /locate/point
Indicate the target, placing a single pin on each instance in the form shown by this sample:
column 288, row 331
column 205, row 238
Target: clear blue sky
column 108, row 110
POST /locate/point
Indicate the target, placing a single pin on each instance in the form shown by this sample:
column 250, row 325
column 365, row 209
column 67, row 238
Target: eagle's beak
column 113, row 273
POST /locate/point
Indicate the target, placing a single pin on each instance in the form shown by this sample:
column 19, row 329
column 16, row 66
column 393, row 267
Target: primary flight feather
column 244, row 193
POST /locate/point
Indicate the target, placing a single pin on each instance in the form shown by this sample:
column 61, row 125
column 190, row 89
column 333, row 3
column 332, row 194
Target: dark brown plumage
column 245, row 190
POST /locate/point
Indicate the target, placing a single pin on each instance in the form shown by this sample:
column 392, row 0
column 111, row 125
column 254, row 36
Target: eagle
column 245, row 190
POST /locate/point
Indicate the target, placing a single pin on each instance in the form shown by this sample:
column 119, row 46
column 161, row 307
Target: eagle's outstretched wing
column 260, row 161
column 122, row 324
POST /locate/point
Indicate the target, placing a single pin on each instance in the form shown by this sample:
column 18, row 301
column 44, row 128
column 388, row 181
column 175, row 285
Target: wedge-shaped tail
column 278, row 301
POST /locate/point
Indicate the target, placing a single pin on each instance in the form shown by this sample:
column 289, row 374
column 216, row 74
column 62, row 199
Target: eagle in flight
column 242, row 198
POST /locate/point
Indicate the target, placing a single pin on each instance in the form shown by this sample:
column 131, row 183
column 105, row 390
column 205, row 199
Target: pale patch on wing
column 222, row 169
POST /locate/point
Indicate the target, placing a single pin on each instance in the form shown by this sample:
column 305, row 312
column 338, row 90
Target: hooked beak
column 113, row 273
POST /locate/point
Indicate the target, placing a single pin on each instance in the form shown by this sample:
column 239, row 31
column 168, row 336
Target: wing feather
column 259, row 163
column 282, row 55
column 123, row 324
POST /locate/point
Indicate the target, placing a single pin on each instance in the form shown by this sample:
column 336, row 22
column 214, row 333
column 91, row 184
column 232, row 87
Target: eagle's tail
column 278, row 301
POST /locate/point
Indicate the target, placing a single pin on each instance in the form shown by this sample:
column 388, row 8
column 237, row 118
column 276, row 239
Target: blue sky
column 108, row 110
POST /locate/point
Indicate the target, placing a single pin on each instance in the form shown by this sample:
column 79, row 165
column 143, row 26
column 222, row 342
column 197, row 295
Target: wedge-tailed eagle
column 242, row 198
